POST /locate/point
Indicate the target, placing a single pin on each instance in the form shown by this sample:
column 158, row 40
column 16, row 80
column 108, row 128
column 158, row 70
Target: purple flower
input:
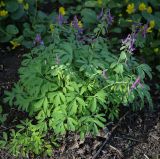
column 109, row 18
column 60, row 19
column 75, row 24
column 100, row 15
column 137, row 26
column 38, row 40
column 129, row 42
column 144, row 30
column 135, row 83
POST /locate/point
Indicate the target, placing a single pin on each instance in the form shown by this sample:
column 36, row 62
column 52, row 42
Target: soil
column 137, row 136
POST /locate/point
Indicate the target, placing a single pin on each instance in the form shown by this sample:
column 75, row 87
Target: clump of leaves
column 68, row 86
column 2, row 116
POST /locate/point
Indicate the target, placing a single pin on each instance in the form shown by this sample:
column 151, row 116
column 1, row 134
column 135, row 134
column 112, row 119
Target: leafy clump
column 68, row 86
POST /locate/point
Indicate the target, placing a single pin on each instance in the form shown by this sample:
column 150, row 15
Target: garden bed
column 79, row 79
column 136, row 136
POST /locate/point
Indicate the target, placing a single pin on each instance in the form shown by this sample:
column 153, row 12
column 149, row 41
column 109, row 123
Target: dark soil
column 136, row 137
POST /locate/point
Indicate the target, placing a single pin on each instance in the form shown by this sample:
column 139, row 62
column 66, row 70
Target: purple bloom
column 135, row 83
column 144, row 30
column 60, row 19
column 38, row 40
column 129, row 42
column 109, row 18
column 76, row 25
column 137, row 26
column 100, row 15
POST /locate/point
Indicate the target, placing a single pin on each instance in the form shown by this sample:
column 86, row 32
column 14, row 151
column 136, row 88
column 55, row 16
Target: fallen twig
column 6, row 128
column 127, row 138
column 108, row 136
column 146, row 156
column 118, row 151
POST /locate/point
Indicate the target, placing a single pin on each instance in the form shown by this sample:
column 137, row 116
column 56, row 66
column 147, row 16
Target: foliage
column 75, row 79
column 26, row 141
column 2, row 116
column 141, row 16
column 70, row 86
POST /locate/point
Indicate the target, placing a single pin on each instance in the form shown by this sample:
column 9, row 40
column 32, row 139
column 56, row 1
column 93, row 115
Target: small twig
column 128, row 138
column 109, row 135
column 146, row 156
column 119, row 152
column 5, row 128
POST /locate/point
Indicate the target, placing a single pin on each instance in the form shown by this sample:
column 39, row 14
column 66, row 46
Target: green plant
column 13, row 10
column 27, row 140
column 14, row 13
column 70, row 86
column 2, row 116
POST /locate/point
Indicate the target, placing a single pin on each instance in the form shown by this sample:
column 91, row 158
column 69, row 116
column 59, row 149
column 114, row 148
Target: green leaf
column 19, row 13
column 83, row 89
column 5, row 136
column 100, row 124
column 101, row 95
column 12, row 29
column 80, row 101
column 57, row 100
column 100, row 117
column 89, row 17
column 119, row 69
column 0, row 109
column 82, row 135
column 123, row 55
column 113, row 65
column 144, row 68
column 12, row 5
column 95, row 129
column 93, row 105
column 70, row 124
column 63, row 98
column 37, row 105
column 45, row 104
column 116, row 30
column 90, row 3
column 74, row 107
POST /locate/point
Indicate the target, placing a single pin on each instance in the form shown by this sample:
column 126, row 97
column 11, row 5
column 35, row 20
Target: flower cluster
column 142, row 7
column 51, row 26
column 99, row 2
column 38, row 40
column 25, row 4
column 136, row 83
column 2, row 4
column 62, row 11
column 129, row 42
column 3, row 13
column 151, row 26
column 130, row 8
column 15, row 44
column 61, row 14
column 108, row 17
column 77, row 25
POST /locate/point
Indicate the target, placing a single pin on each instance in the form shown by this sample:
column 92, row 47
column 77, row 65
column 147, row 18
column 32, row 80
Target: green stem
column 114, row 84
column 35, row 13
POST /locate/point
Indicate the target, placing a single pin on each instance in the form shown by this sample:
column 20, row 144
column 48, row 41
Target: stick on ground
column 109, row 136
